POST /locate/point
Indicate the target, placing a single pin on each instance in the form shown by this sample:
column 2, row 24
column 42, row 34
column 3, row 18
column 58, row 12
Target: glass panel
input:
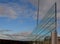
column 45, row 28
column 18, row 18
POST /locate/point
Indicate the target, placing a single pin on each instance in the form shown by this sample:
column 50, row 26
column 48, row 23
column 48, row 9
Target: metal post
column 54, row 33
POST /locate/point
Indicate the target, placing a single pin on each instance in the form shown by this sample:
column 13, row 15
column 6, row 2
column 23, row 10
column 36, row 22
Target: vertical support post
column 38, row 13
column 54, row 33
column 54, row 38
column 37, row 18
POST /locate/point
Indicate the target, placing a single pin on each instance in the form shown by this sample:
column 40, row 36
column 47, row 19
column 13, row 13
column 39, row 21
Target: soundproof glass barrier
column 22, row 20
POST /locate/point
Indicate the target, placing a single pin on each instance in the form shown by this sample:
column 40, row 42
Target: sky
column 17, row 16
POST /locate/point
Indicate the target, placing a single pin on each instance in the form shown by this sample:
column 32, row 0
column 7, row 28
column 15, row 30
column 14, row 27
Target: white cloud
column 13, row 11
column 44, row 6
column 6, row 11
column 16, row 36
column 58, row 4
column 58, row 15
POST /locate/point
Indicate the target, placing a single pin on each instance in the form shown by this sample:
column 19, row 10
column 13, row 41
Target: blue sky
column 17, row 15
column 20, row 15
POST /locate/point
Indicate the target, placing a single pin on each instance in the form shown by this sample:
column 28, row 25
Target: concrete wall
column 58, row 40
